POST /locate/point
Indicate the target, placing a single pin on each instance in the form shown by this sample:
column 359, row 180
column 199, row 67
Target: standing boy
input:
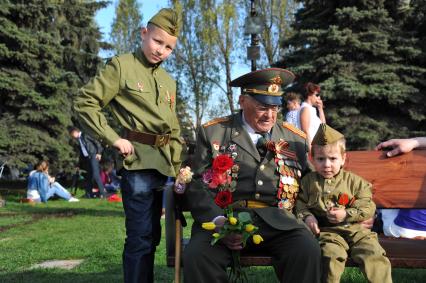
column 142, row 97
column 332, row 202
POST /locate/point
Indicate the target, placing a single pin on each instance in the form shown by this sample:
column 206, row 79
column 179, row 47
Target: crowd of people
column 271, row 176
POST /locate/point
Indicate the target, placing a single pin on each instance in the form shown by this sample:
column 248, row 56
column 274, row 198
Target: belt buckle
column 161, row 140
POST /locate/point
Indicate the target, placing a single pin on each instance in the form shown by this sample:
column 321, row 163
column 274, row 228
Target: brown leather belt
column 145, row 138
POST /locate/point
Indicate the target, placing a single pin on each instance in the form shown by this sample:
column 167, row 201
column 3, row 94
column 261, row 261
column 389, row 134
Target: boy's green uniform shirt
column 142, row 97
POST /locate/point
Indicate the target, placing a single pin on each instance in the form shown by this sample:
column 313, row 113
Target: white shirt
column 315, row 121
column 82, row 146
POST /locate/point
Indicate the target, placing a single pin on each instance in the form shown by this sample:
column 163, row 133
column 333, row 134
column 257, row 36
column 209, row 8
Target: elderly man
column 266, row 185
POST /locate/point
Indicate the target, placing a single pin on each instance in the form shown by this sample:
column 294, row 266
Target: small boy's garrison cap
column 168, row 20
column 326, row 135
column 264, row 85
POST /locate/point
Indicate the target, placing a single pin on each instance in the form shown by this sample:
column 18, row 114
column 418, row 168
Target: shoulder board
column 216, row 121
column 294, row 129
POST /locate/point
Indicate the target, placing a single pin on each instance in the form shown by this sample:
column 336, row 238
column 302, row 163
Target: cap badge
column 273, row 88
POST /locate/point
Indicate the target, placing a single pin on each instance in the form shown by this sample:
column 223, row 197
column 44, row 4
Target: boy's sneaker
column 73, row 199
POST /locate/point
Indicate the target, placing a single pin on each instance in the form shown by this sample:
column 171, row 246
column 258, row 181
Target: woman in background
column 309, row 120
column 41, row 186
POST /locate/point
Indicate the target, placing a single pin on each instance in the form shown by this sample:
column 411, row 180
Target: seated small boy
column 332, row 202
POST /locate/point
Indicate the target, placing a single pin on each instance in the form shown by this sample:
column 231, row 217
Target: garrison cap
column 326, row 135
column 168, row 20
column 264, row 85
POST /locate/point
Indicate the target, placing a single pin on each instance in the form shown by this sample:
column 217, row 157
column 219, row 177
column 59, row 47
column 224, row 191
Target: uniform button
column 260, row 182
column 161, row 86
column 328, row 192
column 236, row 133
column 329, row 181
column 262, row 167
column 257, row 196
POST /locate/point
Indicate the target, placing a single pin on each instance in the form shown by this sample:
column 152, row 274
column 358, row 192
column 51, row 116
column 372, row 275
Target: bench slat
column 398, row 182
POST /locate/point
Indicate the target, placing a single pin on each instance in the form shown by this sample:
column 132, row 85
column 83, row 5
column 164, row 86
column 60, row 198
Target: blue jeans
column 142, row 202
column 57, row 189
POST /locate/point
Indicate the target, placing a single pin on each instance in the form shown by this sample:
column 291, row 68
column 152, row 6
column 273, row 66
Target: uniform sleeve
column 95, row 95
column 177, row 150
column 199, row 197
column 363, row 207
column 302, row 210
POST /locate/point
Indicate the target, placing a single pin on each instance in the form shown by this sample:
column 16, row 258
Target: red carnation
column 218, row 179
column 343, row 199
column 222, row 163
column 223, row 199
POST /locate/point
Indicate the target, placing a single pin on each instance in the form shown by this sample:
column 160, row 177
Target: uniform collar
column 141, row 57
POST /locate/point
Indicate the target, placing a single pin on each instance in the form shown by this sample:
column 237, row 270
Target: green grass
column 92, row 230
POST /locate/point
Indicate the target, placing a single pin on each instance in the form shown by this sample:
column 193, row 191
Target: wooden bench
column 398, row 182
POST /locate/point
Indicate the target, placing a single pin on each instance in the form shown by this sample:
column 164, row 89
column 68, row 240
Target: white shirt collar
column 252, row 133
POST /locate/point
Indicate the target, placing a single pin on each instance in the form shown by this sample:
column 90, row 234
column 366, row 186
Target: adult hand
column 319, row 103
column 233, row 241
column 367, row 224
column 336, row 215
column 397, row 146
column 98, row 157
column 124, row 146
column 312, row 223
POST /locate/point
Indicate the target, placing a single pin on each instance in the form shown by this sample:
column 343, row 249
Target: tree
column 126, row 26
column 276, row 17
column 359, row 55
column 41, row 45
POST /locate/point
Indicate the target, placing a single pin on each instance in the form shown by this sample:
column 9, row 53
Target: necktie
column 261, row 144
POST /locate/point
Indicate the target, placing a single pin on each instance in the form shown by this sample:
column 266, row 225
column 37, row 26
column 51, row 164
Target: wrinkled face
column 292, row 105
column 260, row 117
column 328, row 159
column 157, row 44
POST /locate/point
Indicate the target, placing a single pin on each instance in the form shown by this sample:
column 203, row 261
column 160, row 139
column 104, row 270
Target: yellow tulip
column 257, row 239
column 208, row 225
column 249, row 227
column 233, row 220
column 216, row 235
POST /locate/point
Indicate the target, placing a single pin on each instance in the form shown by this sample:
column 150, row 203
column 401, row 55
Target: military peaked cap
column 264, row 85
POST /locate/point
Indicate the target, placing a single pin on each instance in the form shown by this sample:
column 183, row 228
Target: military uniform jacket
column 316, row 192
column 257, row 178
column 142, row 97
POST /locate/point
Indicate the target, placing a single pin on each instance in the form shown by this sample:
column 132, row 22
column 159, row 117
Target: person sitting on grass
column 41, row 186
column 332, row 202
column 109, row 177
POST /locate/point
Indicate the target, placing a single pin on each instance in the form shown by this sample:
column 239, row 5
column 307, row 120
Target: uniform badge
column 140, row 86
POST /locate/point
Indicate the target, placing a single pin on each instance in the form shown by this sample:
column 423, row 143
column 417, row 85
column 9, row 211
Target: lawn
column 91, row 230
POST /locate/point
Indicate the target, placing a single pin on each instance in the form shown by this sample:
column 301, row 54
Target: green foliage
column 369, row 62
column 126, row 26
column 48, row 49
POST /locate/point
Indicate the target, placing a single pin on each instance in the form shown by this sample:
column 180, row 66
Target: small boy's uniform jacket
column 349, row 238
column 142, row 97
column 317, row 192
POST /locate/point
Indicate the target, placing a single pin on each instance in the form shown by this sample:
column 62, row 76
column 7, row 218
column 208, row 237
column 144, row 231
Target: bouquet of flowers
column 222, row 177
